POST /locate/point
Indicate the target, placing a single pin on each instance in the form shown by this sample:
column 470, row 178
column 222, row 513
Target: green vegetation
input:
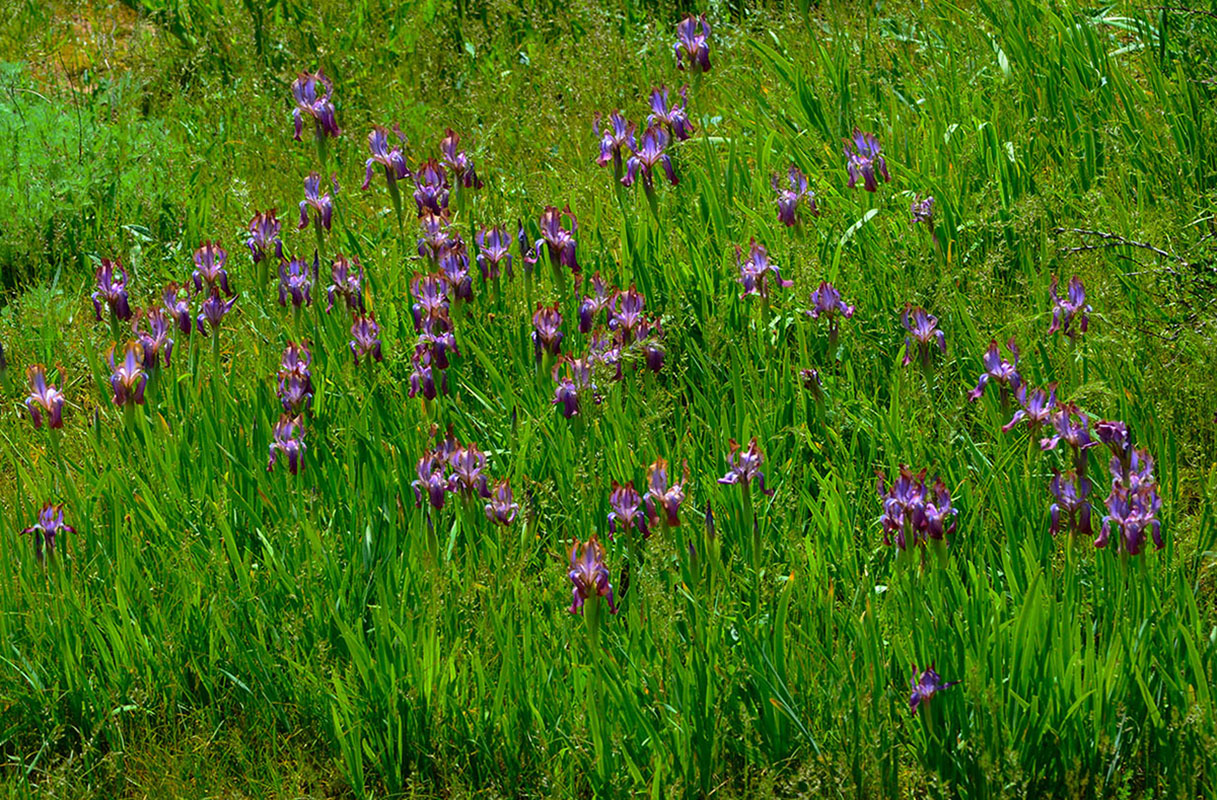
column 212, row 628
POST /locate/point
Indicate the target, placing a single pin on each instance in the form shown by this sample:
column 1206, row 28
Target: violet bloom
column 365, row 338
column 923, row 328
column 111, row 290
column 1071, row 426
column 599, row 301
column 649, row 156
column 430, row 309
column 614, row 139
column 755, row 270
column 431, row 188
column 790, row 196
column 578, row 378
column 431, row 482
column 922, row 211
column 288, row 442
column 589, row 576
column 744, row 466
column 391, row 158
column 1071, row 511
column 662, row 494
column 213, row 310
column 454, row 269
column 422, row 377
column 559, row 241
column 915, row 512
column 295, row 379
column 693, row 43
column 457, row 161
column 998, row 370
column 652, row 345
column 546, row 330
column 502, row 509
column 926, row 684
column 44, row 398
column 1036, row 407
column 826, row 302
column 865, row 161
column 627, row 510
column 1115, row 435
column 528, row 249
column 322, row 204
column 467, row 464
column 607, row 351
column 437, row 235
column 810, row 378
column 50, row 524
column 128, row 379
column 347, row 285
column 264, row 230
column 209, row 261
column 1132, row 506
column 296, row 279
column 178, row 306
column 1065, row 309
column 628, row 320
column 494, row 250
column 675, row 117
column 155, row 341
column 313, row 93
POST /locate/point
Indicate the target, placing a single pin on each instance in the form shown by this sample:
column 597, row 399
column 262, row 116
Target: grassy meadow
column 302, row 576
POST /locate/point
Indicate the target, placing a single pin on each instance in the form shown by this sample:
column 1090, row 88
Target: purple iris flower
column 810, row 378
column 347, row 285
column 627, row 510
column 754, row 271
column 652, row 345
column 322, row 204
column 467, row 464
column 431, row 482
column 288, row 442
column 606, row 350
column 422, row 377
column 264, row 230
column 295, row 379
column 1071, row 426
column 1115, row 435
column 155, row 341
column 599, row 301
column 546, row 330
column 790, row 196
column 578, row 378
column 1071, row 510
column 213, row 310
column 209, row 261
column 391, row 158
column 649, row 156
column 437, row 235
column 296, row 279
column 430, row 309
column 313, row 93
column 1067, row 308
column 128, row 379
column 112, row 290
column 693, row 43
column 614, row 139
column 662, row 494
column 923, row 328
column 865, row 161
column 675, row 117
column 1036, row 407
column 922, row 210
column 926, row 684
column 589, row 575
column 744, row 466
column 913, row 511
column 826, row 302
column 502, row 508
column 559, row 241
column 998, row 370
column 494, row 250
column 44, row 398
column 457, row 161
column 627, row 320
column 454, row 269
column 1133, row 505
column 178, row 306
column 431, row 188
column 365, row 338
column 50, row 524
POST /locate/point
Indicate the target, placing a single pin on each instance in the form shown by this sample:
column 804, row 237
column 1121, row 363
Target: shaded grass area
column 265, row 636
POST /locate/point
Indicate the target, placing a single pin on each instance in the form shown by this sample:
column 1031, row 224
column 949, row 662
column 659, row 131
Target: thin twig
column 1113, row 240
